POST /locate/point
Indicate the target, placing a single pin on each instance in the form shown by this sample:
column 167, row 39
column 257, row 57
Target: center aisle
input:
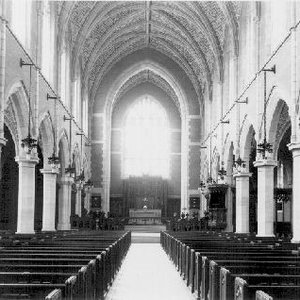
column 148, row 274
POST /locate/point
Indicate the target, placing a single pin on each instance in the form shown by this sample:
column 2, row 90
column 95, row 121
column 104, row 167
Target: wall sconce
column 89, row 184
column 29, row 143
column 71, row 170
column 210, row 180
column 240, row 165
column 265, row 147
column 202, row 186
column 53, row 160
column 225, row 122
column 80, row 178
column 222, row 172
column 243, row 101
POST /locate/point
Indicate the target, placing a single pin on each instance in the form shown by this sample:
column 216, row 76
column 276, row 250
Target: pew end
column 240, row 292
column 260, row 295
column 54, row 295
column 225, row 284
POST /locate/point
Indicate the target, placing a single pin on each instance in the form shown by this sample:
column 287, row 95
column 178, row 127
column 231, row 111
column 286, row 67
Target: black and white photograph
column 149, row 150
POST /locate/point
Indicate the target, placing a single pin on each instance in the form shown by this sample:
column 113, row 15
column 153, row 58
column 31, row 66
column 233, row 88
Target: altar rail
column 145, row 216
column 90, row 223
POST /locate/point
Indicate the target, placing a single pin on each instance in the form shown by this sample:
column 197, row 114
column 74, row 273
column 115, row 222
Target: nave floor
column 148, row 274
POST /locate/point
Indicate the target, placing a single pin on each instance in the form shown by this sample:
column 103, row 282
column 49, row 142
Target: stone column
column 295, row 148
column 26, row 197
column 2, row 73
column 265, row 197
column 64, row 203
column 242, row 202
column 78, row 200
column 87, row 199
column 229, row 211
column 2, row 144
column 49, row 201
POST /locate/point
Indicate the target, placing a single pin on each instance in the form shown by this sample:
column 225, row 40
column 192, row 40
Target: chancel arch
column 146, row 93
column 162, row 74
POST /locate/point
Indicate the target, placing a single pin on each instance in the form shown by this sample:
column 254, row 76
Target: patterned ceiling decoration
column 191, row 33
column 147, row 76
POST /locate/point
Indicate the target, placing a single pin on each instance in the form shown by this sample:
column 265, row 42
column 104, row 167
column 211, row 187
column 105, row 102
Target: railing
column 88, row 223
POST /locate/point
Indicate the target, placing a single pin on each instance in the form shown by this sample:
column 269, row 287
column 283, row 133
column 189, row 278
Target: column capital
column 242, row 175
column 49, row 171
column 67, row 180
column 79, row 186
column 87, row 189
column 294, row 147
column 2, row 142
column 27, row 161
column 3, row 20
column 265, row 163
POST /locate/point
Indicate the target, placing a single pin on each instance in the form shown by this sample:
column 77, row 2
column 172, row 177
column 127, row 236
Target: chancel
column 149, row 150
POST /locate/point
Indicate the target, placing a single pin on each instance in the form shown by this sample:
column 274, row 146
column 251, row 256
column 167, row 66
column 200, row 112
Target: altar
column 145, row 216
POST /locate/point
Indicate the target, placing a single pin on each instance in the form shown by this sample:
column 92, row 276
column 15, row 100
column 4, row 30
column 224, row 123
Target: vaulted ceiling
column 190, row 33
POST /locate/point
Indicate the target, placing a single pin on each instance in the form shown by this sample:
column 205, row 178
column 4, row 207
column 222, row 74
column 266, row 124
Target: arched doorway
column 9, row 184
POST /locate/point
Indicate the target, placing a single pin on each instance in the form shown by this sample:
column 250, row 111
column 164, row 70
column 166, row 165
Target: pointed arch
column 76, row 158
column 63, row 150
column 16, row 112
column 247, row 137
column 280, row 123
column 46, row 133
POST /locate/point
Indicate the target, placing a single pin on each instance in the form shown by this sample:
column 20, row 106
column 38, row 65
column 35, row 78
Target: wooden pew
column 210, row 275
column 93, row 275
column 38, row 290
column 227, row 282
column 258, row 257
column 183, row 256
column 244, row 291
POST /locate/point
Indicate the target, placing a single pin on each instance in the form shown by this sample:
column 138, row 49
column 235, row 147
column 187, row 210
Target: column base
column 48, row 230
column 63, row 226
column 266, row 235
column 242, row 232
column 27, row 232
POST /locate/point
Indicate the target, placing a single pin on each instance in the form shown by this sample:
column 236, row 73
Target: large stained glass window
column 146, row 140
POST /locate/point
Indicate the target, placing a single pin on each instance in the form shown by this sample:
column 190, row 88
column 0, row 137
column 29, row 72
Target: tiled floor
column 148, row 274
